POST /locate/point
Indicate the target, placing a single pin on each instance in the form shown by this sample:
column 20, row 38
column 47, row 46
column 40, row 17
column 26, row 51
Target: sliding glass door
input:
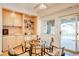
column 68, row 33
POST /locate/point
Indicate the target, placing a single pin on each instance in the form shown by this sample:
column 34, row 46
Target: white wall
column 39, row 26
column 57, row 30
column 0, row 29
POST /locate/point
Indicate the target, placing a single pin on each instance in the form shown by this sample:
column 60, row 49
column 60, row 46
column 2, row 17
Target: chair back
column 10, row 50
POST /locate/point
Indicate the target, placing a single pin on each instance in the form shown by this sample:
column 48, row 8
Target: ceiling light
column 41, row 6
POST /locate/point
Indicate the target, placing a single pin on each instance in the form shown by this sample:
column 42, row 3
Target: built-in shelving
column 18, row 25
column 29, row 26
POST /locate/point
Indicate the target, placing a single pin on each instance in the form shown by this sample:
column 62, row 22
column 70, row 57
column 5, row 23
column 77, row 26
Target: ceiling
column 30, row 6
column 51, row 7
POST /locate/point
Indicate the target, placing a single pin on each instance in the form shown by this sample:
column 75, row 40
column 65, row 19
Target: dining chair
column 11, row 51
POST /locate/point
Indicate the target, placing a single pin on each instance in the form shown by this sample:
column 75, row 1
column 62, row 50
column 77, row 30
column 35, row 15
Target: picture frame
column 5, row 31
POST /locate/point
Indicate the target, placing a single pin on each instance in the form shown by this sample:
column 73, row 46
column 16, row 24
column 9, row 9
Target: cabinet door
column 8, row 41
column 12, row 41
column 7, row 18
column 5, row 43
column 19, row 40
column 18, row 20
column 7, row 21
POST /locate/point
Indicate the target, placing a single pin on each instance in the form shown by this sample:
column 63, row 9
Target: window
column 49, row 27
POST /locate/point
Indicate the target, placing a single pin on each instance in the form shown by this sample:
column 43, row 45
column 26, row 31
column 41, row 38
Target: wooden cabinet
column 5, row 43
column 18, row 24
column 11, row 19
column 19, row 40
column 8, row 41
column 7, row 19
column 18, row 19
column 12, row 41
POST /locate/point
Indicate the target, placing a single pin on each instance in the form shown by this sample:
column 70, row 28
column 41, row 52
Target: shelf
column 11, row 26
